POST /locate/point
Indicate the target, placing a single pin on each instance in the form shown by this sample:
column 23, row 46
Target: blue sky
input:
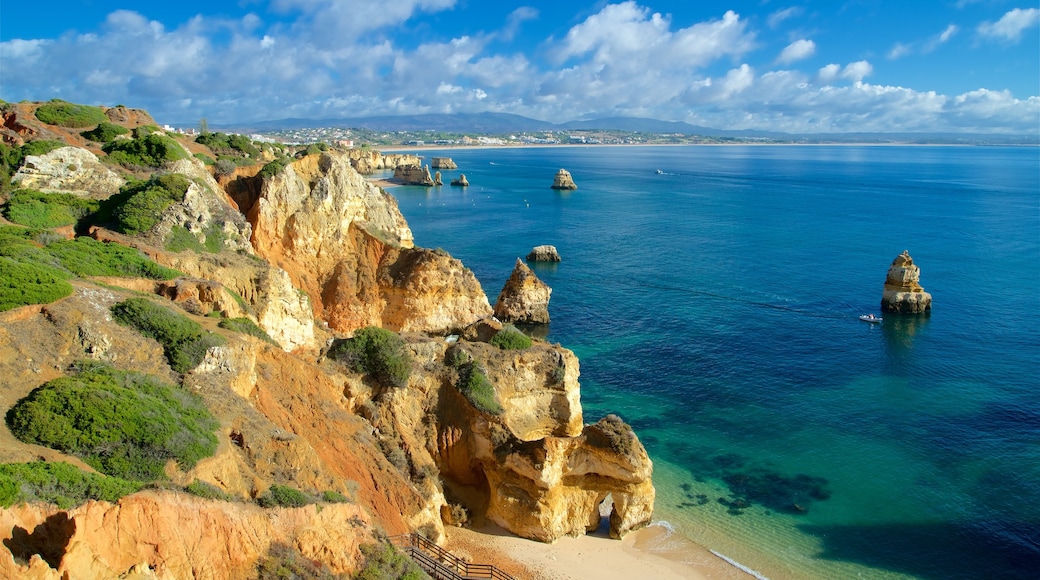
column 810, row 66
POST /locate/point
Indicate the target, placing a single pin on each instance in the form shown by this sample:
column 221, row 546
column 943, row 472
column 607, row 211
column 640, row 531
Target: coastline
column 651, row 552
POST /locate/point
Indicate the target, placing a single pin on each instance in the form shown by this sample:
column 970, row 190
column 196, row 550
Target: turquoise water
column 714, row 307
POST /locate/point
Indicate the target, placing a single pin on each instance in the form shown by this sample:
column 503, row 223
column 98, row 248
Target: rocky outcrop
column 345, row 244
column 200, row 296
column 69, row 170
column 563, row 180
column 437, row 179
column 414, row 175
column 205, row 211
column 443, row 163
column 460, row 181
column 167, row 535
column 368, row 161
column 544, row 253
column 903, row 292
column 524, row 298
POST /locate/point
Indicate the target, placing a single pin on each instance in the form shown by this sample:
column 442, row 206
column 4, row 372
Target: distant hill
column 505, row 123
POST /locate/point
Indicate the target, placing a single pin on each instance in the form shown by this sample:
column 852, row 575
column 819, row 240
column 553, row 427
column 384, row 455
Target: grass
column 26, row 283
column 183, row 340
column 246, row 326
column 85, row 256
column 383, row 561
column 510, row 338
column 149, row 151
column 139, row 204
column 66, row 114
column 284, row 562
column 205, row 490
column 122, row 423
column 58, row 483
column 376, row 352
column 36, row 209
column 181, row 239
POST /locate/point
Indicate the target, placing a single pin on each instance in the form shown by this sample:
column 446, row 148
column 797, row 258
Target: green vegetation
column 273, row 168
column 36, row 209
column 510, row 338
column 284, row 496
column 149, row 151
column 205, row 158
column 315, row 148
column 85, row 256
column 183, row 340
column 138, row 205
column 246, row 326
column 181, row 239
column 385, row 561
column 207, row 491
column 11, row 158
column 27, row 283
column 378, row 353
column 331, row 496
column 40, row 147
column 60, row 484
column 283, row 562
column 477, row 388
column 232, row 145
column 105, row 132
column 122, row 423
column 66, row 114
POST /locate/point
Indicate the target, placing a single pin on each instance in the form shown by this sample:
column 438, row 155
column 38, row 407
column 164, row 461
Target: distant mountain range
column 505, row 123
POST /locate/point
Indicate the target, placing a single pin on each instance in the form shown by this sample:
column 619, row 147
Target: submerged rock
column 544, row 253
column 903, row 293
column 524, row 298
column 563, row 180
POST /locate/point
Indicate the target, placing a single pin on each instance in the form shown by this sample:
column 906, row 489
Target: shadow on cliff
column 935, row 551
column 49, row 539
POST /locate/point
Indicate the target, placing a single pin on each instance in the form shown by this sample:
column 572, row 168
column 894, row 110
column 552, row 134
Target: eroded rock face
column 524, row 298
column 903, row 292
column 544, row 253
column 70, row 170
column 145, row 533
column 443, row 163
column 414, row 175
column 367, row 161
column 460, row 181
column 563, row 180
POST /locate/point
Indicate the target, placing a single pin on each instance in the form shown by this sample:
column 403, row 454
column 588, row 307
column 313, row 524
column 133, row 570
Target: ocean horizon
column 712, row 295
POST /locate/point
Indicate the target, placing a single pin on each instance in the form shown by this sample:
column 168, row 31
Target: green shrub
column 284, row 562
column 331, row 496
column 145, row 130
column 246, row 326
column 510, row 338
column 139, row 204
column 27, row 283
column 273, row 168
column 65, row 114
column 478, row 389
column 376, row 352
column 183, row 340
column 151, row 150
column 36, row 209
column 41, row 147
column 58, row 483
column 85, row 256
column 206, row 159
column 105, row 132
column 222, row 142
column 207, row 491
column 383, row 561
column 315, row 148
column 284, row 496
column 121, row 423
column 181, row 239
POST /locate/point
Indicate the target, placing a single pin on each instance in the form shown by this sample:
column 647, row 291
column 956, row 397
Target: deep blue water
column 714, row 306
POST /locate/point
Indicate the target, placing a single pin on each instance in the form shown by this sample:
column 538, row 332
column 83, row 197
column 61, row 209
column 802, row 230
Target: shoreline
column 409, row 148
column 651, row 552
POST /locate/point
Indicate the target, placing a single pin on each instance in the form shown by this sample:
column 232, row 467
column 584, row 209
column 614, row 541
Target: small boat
column 870, row 318
column 659, row 172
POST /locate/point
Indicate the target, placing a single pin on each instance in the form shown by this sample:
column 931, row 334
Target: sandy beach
column 652, row 552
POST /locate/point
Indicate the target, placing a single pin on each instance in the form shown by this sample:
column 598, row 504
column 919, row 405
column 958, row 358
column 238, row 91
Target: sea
column 712, row 294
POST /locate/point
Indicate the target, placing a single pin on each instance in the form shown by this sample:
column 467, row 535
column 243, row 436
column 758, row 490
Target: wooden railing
column 441, row 564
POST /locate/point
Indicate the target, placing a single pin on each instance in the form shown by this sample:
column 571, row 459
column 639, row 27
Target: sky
column 826, row 66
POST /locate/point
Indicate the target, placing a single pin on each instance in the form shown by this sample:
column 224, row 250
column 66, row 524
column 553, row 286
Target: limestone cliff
column 903, row 292
column 524, row 298
column 368, row 161
column 563, row 180
column 167, row 535
column 414, row 175
column 69, row 170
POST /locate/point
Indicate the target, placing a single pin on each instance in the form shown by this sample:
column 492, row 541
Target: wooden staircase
column 441, row 564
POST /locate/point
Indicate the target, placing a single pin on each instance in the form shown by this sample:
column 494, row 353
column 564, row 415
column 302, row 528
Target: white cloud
column 900, row 49
column 856, row 71
column 1010, row 26
column 516, row 18
column 829, row 73
column 797, row 50
column 776, row 18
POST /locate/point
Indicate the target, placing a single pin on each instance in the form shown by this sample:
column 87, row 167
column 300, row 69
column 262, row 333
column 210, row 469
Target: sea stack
column 460, row 181
column 544, row 253
column 524, row 298
column 413, row 175
column 443, row 163
column 903, row 292
column 563, row 180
